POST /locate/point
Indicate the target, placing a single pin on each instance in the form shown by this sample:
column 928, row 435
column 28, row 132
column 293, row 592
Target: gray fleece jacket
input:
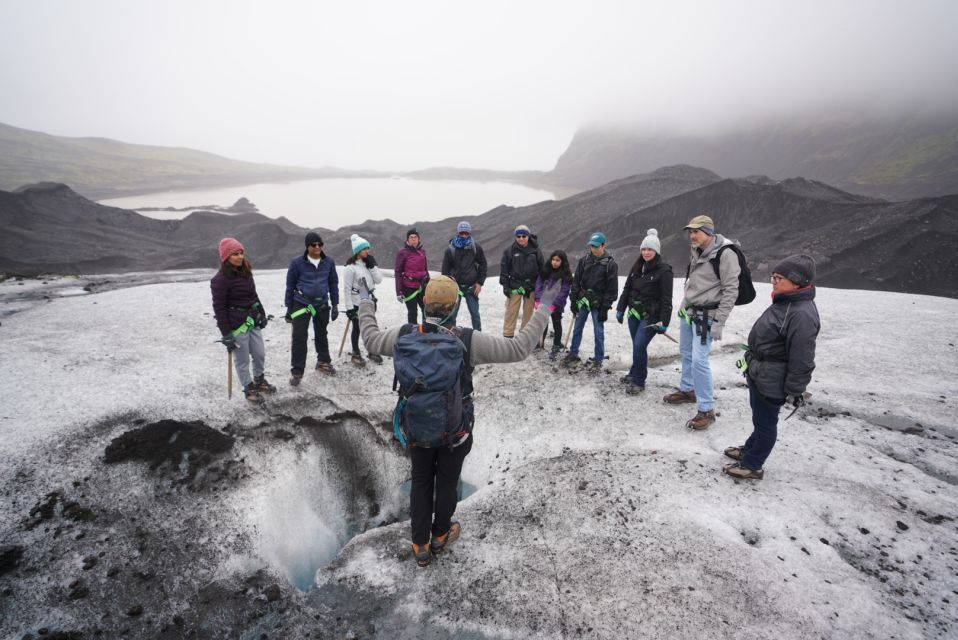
column 702, row 288
column 485, row 348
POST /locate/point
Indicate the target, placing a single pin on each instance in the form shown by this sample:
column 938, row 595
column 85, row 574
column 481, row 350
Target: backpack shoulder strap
column 406, row 329
column 718, row 258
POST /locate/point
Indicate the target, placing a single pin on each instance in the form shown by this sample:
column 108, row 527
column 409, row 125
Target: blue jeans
column 640, row 357
column 472, row 303
column 598, row 329
column 696, row 372
column 764, row 429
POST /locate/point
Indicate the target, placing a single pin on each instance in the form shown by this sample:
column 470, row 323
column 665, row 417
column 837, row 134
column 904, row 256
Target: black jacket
column 649, row 292
column 520, row 266
column 781, row 345
column 596, row 279
column 467, row 266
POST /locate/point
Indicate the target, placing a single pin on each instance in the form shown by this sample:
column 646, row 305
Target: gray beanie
column 652, row 241
column 799, row 268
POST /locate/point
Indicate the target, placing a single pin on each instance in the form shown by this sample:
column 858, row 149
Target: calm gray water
column 336, row 202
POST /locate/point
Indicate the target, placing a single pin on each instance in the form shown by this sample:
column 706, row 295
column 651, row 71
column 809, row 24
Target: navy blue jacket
column 307, row 284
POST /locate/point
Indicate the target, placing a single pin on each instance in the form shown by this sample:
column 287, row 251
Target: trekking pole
column 568, row 333
column 229, row 375
column 342, row 342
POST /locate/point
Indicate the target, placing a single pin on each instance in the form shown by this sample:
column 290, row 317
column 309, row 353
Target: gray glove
column 549, row 293
column 401, row 299
column 715, row 330
column 363, row 289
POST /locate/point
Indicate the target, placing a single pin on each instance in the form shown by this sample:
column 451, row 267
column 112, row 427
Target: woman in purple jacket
column 556, row 267
column 240, row 317
column 411, row 275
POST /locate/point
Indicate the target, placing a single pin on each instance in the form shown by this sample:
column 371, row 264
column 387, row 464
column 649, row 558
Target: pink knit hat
column 229, row 246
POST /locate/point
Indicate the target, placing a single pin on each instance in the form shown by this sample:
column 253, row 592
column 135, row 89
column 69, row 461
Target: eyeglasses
column 775, row 278
column 315, row 244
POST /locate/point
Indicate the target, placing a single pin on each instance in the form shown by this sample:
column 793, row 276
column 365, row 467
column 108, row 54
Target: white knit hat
column 652, row 241
column 359, row 243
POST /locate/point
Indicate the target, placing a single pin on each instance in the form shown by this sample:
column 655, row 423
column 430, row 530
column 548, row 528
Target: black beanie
column 312, row 237
column 799, row 268
column 411, row 232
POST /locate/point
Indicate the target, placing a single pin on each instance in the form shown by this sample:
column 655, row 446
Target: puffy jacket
column 596, row 279
column 466, row 265
column 781, row 345
column 411, row 270
column 233, row 298
column 307, row 284
column 703, row 289
column 564, row 288
column 520, row 266
column 352, row 274
column 649, row 292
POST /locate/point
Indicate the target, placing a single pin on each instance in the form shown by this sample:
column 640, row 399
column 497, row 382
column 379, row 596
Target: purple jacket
column 563, row 289
column 233, row 295
column 411, row 270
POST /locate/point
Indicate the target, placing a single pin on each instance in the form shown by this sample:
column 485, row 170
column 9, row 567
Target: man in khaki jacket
column 708, row 301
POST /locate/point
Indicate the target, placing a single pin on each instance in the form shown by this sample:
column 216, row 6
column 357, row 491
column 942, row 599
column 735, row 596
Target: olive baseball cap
column 702, row 222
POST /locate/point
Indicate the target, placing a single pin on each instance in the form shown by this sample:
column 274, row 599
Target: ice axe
column 342, row 342
column 656, row 326
column 229, row 370
column 805, row 396
column 565, row 343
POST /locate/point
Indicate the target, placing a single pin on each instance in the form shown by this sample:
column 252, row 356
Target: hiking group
column 434, row 358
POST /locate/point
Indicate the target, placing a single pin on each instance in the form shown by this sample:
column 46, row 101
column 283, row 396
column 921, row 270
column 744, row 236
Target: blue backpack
column 435, row 387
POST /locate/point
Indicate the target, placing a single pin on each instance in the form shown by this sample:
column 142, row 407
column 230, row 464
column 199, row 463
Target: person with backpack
column 312, row 294
column 595, row 286
column 411, row 274
column 360, row 268
column 465, row 262
column 556, row 269
column 711, row 291
column 240, row 318
column 647, row 302
column 434, row 415
column 518, row 270
column 779, row 361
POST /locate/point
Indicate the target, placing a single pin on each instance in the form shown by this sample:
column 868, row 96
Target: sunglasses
column 315, row 244
column 522, row 235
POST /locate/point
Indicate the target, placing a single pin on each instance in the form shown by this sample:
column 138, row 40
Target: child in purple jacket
column 556, row 267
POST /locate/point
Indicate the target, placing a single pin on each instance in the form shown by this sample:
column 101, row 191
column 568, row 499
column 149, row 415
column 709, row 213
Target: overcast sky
column 410, row 84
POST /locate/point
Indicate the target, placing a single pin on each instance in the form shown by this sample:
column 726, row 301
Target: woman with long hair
column 240, row 318
column 556, row 268
column 647, row 302
column 361, row 275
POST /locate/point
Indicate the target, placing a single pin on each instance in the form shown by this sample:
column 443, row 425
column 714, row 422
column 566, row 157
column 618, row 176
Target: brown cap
column 441, row 290
column 702, row 222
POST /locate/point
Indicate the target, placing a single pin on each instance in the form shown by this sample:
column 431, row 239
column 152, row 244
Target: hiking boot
column 736, row 470
column 326, row 368
column 571, row 360
column 295, row 379
column 634, row 389
column 702, row 420
column 441, row 543
column 421, row 553
column 626, row 379
column 357, row 359
column 735, row 453
column 680, row 397
column 252, row 394
column 375, row 357
column 593, row 365
column 263, row 385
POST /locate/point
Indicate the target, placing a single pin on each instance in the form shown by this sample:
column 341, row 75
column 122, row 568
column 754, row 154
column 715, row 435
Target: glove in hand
column 505, row 291
column 363, row 289
column 333, row 313
column 603, row 315
column 795, row 400
column 549, row 293
column 715, row 330
column 288, row 317
column 370, row 261
column 401, row 298
column 352, row 313
column 230, row 343
column 619, row 317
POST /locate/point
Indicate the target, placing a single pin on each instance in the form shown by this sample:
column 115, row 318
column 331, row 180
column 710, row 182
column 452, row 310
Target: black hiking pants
column 301, row 337
column 435, row 472
column 414, row 306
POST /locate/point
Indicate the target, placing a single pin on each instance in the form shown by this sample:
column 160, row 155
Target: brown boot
column 702, row 420
column 736, row 470
column 680, row 397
